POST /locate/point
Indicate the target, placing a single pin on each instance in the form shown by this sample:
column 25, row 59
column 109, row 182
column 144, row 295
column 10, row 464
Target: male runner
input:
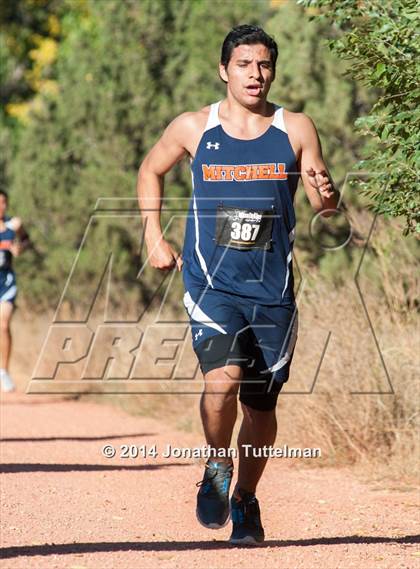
column 246, row 157
column 13, row 240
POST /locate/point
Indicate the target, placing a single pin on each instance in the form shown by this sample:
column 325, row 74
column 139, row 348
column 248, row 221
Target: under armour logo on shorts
column 214, row 145
column 199, row 333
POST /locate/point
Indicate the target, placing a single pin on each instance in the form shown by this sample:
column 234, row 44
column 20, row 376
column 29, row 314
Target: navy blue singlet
column 8, row 288
column 257, row 174
column 6, row 239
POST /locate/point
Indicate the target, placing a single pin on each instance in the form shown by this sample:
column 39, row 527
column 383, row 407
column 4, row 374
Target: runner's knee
column 219, row 402
column 258, row 415
column 4, row 323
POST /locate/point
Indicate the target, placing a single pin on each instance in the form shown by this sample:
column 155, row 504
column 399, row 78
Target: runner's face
column 3, row 206
column 249, row 73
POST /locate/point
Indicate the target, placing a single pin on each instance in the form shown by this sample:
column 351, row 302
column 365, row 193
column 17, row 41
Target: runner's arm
column 317, row 181
column 168, row 150
column 23, row 241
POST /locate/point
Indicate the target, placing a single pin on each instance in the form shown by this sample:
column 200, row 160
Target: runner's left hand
column 16, row 248
column 320, row 180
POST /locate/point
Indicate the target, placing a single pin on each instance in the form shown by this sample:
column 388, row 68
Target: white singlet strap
column 213, row 119
column 9, row 223
column 278, row 121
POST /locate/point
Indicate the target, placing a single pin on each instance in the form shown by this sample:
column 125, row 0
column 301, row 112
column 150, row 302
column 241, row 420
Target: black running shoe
column 246, row 518
column 213, row 496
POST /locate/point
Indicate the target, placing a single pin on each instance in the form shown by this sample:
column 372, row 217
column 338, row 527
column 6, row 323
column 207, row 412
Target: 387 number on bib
column 245, row 232
column 243, row 228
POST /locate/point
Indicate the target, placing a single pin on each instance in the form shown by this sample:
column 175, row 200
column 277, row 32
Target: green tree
column 381, row 41
column 85, row 142
column 311, row 79
column 123, row 71
column 29, row 33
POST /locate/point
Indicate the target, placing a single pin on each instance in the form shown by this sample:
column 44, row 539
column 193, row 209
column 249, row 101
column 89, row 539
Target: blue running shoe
column 246, row 518
column 213, row 496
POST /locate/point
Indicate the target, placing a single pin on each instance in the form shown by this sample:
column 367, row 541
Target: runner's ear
column 179, row 262
column 222, row 73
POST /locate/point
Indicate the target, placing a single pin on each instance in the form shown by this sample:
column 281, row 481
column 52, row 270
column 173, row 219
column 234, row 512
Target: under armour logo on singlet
column 199, row 333
column 214, row 145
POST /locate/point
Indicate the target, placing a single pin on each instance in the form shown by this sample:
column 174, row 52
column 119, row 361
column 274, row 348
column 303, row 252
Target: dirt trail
column 63, row 504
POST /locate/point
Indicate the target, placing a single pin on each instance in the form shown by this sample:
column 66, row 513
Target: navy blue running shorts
column 231, row 330
column 8, row 289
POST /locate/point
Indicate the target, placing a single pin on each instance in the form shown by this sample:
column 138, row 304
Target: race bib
column 244, row 228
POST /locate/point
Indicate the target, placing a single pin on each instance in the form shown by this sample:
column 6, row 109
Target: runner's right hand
column 164, row 257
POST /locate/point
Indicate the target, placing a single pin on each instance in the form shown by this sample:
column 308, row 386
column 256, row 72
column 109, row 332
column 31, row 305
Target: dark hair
column 5, row 194
column 247, row 34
